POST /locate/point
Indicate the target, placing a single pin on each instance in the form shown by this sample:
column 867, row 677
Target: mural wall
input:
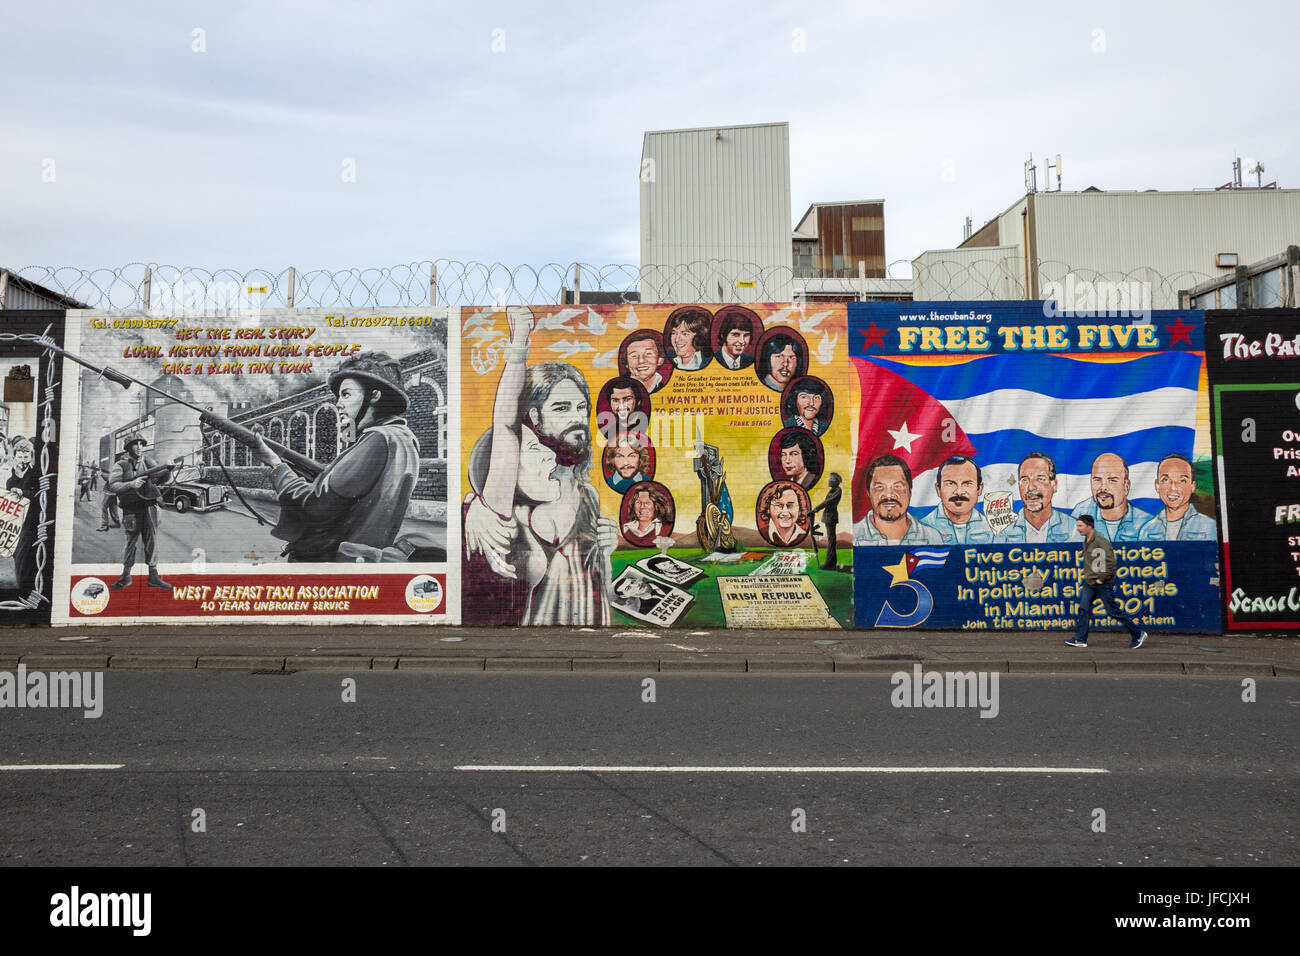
column 283, row 465
column 986, row 428
column 1254, row 360
column 29, row 462
column 657, row 465
column 879, row 465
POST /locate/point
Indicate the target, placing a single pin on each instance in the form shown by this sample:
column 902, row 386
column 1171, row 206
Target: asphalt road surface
column 284, row 771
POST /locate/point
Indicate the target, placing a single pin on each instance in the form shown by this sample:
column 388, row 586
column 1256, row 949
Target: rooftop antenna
column 1259, row 175
column 1236, row 173
column 967, row 230
column 1031, row 175
column 1057, row 167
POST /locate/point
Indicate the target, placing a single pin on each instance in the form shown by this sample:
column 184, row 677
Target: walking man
column 1098, row 573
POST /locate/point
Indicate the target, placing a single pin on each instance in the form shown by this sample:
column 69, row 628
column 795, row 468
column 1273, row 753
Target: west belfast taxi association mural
column 987, row 428
column 664, row 465
column 29, row 462
column 259, row 465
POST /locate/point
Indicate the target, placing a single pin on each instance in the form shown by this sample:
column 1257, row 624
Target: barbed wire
column 472, row 283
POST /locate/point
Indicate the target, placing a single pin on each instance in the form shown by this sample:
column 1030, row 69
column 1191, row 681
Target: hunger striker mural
column 987, row 429
column 250, row 457
column 604, row 436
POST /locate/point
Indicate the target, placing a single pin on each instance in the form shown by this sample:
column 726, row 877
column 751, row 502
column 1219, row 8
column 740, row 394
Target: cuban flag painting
column 1013, row 421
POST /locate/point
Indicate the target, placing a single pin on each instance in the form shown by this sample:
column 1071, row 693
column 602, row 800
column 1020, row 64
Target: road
column 286, row 772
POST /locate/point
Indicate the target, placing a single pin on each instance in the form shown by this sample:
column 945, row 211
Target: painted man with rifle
column 360, row 498
column 134, row 480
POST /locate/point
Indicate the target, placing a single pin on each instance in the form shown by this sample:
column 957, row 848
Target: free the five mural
column 986, row 428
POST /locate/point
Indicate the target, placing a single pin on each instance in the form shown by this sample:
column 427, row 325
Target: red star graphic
column 873, row 336
column 1179, row 330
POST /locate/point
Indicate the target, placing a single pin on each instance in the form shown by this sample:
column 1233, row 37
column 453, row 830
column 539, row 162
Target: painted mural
column 986, row 429
column 29, row 462
column 285, row 465
column 662, row 465
column 1254, row 361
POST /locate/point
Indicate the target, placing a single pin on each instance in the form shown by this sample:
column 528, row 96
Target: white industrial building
column 715, row 214
column 1097, row 241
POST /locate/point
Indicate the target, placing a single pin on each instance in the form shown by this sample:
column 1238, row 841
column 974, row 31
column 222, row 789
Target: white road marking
column 62, row 766
column 519, row 768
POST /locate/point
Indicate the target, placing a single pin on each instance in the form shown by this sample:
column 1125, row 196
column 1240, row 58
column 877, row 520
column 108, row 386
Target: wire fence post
column 293, row 276
column 862, row 280
column 148, row 282
column 4, row 286
column 577, row 283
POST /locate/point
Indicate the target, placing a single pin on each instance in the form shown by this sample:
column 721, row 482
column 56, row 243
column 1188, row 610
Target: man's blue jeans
column 1089, row 593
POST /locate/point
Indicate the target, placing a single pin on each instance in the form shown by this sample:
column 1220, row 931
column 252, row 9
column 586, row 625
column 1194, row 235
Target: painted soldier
column 361, row 497
column 134, row 482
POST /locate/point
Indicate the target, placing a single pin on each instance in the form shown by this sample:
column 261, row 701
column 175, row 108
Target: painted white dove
column 596, row 323
column 826, row 349
column 481, row 317
column 810, row 324
column 566, row 348
column 555, row 321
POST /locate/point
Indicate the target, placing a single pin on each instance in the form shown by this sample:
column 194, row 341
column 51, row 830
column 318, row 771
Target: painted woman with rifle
column 134, row 480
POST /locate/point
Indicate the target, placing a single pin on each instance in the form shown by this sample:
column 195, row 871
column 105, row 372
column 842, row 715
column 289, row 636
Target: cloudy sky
column 219, row 134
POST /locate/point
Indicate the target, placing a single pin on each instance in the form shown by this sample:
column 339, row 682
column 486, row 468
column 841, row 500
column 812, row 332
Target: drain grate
column 270, row 671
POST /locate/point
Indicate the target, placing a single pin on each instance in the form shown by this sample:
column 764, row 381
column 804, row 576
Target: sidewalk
column 636, row 650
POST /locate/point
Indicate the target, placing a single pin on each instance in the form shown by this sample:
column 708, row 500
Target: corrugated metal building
column 18, row 293
column 715, row 213
column 839, row 254
column 832, row 239
column 1170, row 240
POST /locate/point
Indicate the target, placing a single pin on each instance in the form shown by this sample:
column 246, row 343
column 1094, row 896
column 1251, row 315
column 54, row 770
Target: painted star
column 903, row 438
column 897, row 572
column 872, row 335
column 1180, row 330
